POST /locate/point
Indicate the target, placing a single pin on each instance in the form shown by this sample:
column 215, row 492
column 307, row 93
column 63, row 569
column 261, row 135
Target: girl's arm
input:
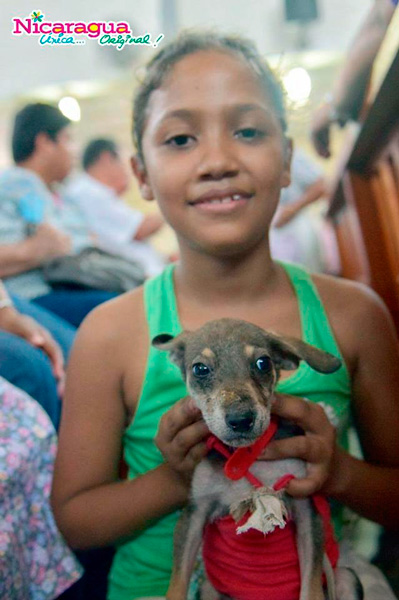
column 92, row 507
column 367, row 337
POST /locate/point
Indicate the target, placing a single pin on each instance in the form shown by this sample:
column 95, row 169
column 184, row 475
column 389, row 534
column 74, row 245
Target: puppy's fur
column 231, row 369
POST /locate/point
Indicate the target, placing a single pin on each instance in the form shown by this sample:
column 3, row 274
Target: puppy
column 231, row 369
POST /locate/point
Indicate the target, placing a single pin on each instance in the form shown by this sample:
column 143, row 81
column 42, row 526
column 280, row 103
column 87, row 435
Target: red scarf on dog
column 251, row 565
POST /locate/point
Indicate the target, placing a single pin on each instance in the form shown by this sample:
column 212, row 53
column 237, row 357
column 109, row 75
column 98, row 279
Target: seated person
column 30, row 358
column 35, row 224
column 35, row 561
column 118, row 227
column 298, row 234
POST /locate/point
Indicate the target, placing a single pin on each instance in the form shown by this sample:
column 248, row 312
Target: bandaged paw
column 267, row 509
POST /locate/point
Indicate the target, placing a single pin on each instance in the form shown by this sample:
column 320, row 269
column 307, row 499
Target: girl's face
column 214, row 152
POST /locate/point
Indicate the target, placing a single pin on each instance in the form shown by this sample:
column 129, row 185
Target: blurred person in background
column 35, row 224
column 349, row 90
column 119, row 228
column 344, row 103
column 33, row 350
column 298, row 234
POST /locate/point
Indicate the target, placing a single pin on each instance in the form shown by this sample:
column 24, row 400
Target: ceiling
column 29, row 65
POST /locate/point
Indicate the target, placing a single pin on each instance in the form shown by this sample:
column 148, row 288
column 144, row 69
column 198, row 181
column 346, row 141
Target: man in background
column 36, row 225
column 118, row 227
column 300, row 234
column 348, row 94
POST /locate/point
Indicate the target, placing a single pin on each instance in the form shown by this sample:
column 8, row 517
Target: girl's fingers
column 181, row 435
column 307, row 415
column 309, row 448
column 182, row 414
column 189, row 437
column 195, row 455
column 306, row 486
column 316, row 447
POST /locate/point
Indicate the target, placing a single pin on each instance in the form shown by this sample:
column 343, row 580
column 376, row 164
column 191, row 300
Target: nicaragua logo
column 71, row 33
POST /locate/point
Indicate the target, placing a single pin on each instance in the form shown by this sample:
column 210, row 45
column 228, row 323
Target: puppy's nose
column 241, row 422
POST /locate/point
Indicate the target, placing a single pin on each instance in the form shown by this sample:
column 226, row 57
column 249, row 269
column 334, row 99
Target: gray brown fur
column 235, row 401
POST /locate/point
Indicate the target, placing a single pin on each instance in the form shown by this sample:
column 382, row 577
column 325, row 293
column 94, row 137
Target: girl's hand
column 317, row 447
column 181, row 437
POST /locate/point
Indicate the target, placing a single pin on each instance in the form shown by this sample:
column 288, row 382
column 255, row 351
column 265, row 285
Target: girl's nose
column 217, row 161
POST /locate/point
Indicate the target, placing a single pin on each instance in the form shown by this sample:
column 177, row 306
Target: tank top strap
column 316, row 328
column 160, row 304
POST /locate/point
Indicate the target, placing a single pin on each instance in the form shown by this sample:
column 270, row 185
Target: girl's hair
column 189, row 43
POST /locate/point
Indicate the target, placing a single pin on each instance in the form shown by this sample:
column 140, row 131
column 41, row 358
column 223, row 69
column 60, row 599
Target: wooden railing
column 365, row 204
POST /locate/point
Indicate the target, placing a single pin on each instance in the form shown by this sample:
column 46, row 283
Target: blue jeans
column 28, row 367
column 73, row 305
column 62, row 331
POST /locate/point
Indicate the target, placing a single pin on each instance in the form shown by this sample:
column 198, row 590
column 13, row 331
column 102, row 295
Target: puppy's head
column 231, row 368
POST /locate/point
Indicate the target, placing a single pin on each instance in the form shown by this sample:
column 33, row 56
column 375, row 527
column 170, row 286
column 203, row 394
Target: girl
column 210, row 134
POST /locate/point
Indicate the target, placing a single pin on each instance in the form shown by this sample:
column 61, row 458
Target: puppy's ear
column 162, row 341
column 176, row 346
column 288, row 352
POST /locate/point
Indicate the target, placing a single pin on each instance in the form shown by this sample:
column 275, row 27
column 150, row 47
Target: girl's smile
column 221, row 201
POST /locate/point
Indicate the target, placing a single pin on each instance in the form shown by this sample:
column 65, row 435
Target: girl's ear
column 288, row 148
column 140, row 173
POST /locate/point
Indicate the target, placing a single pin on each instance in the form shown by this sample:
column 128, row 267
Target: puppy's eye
column 264, row 364
column 200, row 370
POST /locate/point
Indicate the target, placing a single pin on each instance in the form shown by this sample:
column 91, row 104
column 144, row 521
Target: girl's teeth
column 225, row 200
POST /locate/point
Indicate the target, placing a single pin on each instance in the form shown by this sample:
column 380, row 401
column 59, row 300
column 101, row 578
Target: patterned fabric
column 35, row 563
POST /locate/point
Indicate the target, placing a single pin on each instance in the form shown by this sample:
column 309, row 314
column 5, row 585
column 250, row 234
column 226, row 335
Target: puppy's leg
column 347, row 585
column 208, row 592
column 309, row 534
column 187, row 540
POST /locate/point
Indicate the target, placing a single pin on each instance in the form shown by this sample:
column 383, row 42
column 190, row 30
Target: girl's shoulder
column 113, row 341
column 355, row 313
column 337, row 293
column 118, row 318
column 118, row 329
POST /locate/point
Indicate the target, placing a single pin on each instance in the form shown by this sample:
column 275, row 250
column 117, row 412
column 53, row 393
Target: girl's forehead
column 208, row 77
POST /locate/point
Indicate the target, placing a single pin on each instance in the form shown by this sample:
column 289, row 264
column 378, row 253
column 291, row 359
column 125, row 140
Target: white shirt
column 106, row 213
column 114, row 222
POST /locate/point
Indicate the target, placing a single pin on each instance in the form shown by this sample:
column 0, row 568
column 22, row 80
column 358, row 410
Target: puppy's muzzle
column 240, row 422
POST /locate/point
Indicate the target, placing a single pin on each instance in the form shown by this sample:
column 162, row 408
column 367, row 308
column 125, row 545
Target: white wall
column 25, row 64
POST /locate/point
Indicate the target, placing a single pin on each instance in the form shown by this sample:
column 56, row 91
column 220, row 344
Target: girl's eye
column 264, row 364
column 250, row 133
column 200, row 370
column 180, row 141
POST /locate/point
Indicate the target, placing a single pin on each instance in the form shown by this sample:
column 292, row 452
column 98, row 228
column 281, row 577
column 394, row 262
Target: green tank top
column 142, row 565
